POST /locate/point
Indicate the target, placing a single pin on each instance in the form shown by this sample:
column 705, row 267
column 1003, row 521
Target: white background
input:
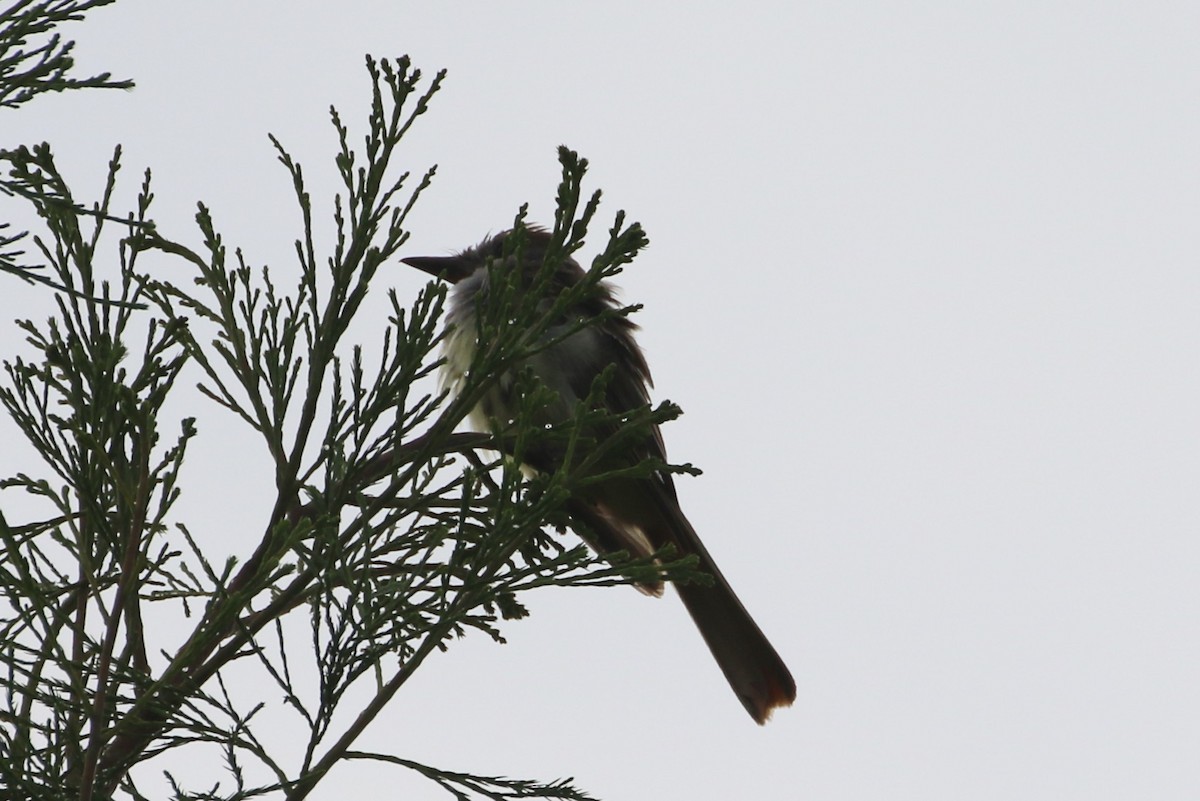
column 923, row 277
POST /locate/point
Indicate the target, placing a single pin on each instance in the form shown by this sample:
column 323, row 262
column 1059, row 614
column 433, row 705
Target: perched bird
column 639, row 515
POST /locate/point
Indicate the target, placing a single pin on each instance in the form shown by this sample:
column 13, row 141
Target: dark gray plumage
column 639, row 515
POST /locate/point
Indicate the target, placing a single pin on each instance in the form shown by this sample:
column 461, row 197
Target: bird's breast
column 566, row 367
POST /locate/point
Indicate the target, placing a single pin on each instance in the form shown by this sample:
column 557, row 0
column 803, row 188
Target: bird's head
column 496, row 249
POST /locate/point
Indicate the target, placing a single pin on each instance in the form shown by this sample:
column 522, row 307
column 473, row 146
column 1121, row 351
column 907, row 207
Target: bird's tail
column 753, row 668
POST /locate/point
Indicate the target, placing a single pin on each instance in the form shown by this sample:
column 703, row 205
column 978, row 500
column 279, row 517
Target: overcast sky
column 924, row 278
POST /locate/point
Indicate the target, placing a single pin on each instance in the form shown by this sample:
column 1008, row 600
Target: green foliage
column 388, row 536
column 34, row 59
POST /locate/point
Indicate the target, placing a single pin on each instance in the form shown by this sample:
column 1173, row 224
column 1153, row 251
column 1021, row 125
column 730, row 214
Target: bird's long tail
column 753, row 668
column 750, row 663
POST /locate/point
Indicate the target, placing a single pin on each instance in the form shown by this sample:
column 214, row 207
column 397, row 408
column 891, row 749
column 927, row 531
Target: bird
column 639, row 514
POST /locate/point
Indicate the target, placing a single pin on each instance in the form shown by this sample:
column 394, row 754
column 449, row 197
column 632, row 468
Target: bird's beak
column 448, row 268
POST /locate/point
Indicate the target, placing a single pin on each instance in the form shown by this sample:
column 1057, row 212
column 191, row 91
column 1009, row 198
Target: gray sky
column 924, row 280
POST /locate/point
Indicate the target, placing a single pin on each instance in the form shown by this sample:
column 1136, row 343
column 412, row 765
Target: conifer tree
column 391, row 531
